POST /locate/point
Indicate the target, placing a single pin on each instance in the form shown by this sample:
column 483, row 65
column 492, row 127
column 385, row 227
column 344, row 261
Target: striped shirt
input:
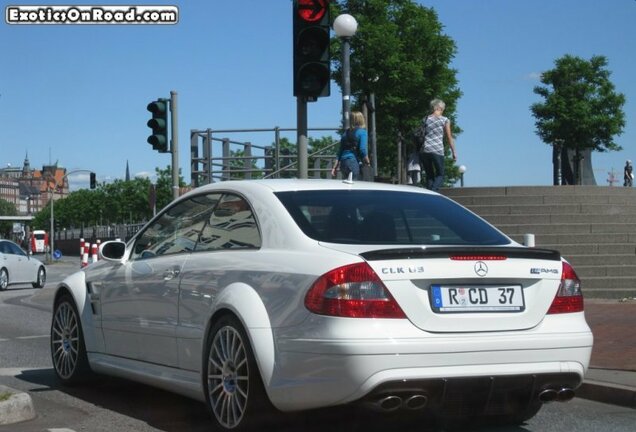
column 434, row 138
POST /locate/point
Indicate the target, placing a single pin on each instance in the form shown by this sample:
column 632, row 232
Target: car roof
column 286, row 185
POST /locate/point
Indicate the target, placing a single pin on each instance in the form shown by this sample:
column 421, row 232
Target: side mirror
column 113, row 250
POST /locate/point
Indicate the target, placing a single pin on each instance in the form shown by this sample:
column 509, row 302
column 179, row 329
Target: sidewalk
column 612, row 374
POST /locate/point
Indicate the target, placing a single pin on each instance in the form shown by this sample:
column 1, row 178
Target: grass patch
column 4, row 396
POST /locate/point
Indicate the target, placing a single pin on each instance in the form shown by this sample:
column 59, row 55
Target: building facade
column 30, row 190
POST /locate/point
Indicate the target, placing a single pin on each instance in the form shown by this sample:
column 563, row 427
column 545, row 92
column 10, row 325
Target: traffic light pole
column 301, row 141
column 174, row 147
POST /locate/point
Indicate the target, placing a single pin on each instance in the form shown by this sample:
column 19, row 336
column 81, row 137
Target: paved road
column 111, row 405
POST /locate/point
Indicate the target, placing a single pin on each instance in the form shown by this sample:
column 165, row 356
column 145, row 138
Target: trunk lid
column 468, row 289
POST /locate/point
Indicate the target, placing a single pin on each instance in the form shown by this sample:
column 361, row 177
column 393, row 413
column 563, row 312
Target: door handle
column 171, row 274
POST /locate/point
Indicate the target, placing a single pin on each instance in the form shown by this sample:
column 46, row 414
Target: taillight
column 569, row 297
column 353, row 291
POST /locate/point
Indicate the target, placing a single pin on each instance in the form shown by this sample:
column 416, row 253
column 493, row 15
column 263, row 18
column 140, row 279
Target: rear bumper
column 496, row 395
column 319, row 372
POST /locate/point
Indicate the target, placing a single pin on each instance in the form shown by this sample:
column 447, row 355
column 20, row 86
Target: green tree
column 6, row 209
column 324, row 149
column 400, row 54
column 238, row 163
column 127, row 201
column 164, row 186
column 113, row 203
column 581, row 109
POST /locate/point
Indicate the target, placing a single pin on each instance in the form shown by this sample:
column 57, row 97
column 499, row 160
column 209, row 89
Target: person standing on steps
column 434, row 127
column 628, row 174
column 353, row 148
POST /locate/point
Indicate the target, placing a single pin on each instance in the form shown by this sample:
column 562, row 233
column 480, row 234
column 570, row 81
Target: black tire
column 41, row 278
column 4, row 279
column 234, row 390
column 68, row 350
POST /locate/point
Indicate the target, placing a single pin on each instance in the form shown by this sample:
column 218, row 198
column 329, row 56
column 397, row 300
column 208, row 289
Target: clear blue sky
column 77, row 94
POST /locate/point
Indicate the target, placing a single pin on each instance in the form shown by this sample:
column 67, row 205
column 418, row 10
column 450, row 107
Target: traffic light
column 159, row 125
column 93, row 181
column 312, row 72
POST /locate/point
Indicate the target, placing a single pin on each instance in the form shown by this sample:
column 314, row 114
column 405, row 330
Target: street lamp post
column 345, row 27
column 462, row 170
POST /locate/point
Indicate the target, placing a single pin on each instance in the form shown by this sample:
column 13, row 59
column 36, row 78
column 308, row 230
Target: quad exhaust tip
column 393, row 403
column 416, row 402
column 390, row 403
column 564, row 394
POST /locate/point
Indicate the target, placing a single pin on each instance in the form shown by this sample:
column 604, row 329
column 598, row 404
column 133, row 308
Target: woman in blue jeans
column 353, row 148
column 432, row 152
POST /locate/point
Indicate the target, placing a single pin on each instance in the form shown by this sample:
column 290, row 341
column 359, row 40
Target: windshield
column 387, row 217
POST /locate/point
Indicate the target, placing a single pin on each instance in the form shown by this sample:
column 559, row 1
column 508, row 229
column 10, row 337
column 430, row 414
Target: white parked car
column 17, row 267
column 297, row 294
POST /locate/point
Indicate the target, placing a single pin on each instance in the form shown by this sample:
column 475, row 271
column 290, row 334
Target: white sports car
column 17, row 267
column 286, row 295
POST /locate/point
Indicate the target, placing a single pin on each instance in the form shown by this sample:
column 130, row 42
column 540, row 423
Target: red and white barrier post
column 85, row 255
column 94, row 252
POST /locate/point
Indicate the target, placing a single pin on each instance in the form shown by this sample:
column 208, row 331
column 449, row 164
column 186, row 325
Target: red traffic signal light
column 312, row 10
column 312, row 71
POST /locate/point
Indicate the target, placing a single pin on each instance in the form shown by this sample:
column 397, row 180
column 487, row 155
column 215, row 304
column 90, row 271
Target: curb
column 17, row 408
column 614, row 394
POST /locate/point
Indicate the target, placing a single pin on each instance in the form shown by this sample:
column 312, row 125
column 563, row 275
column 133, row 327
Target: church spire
column 26, row 169
column 127, row 171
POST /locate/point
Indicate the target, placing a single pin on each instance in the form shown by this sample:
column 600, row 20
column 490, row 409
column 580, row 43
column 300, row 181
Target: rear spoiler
column 461, row 251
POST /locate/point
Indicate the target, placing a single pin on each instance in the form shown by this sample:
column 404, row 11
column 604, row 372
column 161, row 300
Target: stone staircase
column 594, row 227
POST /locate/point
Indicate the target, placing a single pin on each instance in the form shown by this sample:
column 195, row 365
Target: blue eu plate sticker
column 437, row 296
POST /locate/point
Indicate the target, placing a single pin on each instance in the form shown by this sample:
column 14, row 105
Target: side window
column 230, row 226
column 4, row 247
column 177, row 230
column 15, row 250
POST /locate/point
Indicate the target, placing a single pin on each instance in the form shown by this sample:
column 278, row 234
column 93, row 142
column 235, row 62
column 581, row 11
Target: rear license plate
column 478, row 298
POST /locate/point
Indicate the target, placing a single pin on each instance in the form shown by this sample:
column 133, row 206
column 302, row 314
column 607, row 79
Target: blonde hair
column 437, row 103
column 357, row 120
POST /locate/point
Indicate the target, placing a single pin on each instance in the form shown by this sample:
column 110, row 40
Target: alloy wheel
column 4, row 279
column 228, row 377
column 41, row 279
column 65, row 340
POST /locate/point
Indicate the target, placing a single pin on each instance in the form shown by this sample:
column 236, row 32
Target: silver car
column 286, row 295
column 17, row 267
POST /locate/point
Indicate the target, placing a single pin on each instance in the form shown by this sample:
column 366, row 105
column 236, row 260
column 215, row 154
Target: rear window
column 387, row 217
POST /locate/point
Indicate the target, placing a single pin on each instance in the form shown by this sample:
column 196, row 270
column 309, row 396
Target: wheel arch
column 243, row 302
column 75, row 286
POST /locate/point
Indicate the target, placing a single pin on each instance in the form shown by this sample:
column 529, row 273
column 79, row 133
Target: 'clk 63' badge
column 402, row 270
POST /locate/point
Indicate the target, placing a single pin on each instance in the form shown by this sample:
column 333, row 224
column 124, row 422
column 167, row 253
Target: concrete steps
column 594, row 227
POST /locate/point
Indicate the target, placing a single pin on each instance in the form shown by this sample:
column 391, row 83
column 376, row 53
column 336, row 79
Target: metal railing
column 215, row 158
column 102, row 232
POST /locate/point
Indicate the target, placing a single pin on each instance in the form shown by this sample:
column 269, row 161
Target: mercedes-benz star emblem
column 481, row 268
